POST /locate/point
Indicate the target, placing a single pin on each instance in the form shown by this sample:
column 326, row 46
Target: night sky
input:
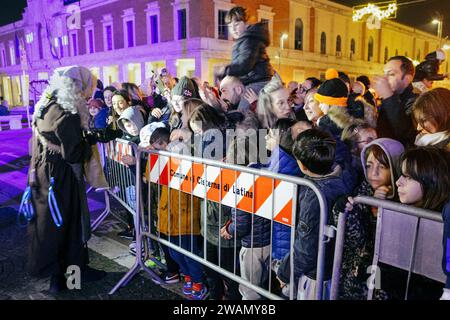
column 417, row 15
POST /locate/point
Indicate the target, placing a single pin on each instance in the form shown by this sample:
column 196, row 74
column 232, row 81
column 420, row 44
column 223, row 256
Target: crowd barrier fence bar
column 416, row 230
column 118, row 175
column 144, row 232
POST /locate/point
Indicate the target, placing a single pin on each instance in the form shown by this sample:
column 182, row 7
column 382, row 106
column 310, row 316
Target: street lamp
column 283, row 37
column 439, row 23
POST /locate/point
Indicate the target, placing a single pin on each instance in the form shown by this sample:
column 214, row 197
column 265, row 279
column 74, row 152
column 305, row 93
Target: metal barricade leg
column 338, row 252
column 139, row 223
column 103, row 215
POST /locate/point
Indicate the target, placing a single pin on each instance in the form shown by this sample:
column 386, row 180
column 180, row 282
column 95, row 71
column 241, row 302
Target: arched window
column 386, row 54
column 338, row 44
column 323, row 43
column 370, row 50
column 298, row 34
column 353, row 46
column 418, row 55
column 396, row 52
column 406, row 53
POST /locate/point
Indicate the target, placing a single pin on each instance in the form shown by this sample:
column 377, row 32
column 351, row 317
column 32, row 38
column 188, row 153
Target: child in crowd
column 252, row 230
column 156, row 136
column 279, row 142
column 99, row 114
column 182, row 228
column 356, row 136
column 425, row 183
column 432, row 114
column 315, row 153
column 380, row 163
column 130, row 122
column 185, row 99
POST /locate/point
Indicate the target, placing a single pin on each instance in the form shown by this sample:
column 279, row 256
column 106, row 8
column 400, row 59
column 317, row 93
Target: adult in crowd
column 61, row 227
column 397, row 92
column 368, row 95
column 273, row 103
column 432, row 115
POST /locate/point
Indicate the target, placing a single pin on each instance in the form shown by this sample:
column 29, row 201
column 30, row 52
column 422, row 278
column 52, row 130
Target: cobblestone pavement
column 15, row 282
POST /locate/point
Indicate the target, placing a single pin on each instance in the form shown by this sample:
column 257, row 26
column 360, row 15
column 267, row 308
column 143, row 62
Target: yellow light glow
column 435, row 21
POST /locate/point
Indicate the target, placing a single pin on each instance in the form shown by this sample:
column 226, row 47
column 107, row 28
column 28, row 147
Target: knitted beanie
column 333, row 91
column 185, row 88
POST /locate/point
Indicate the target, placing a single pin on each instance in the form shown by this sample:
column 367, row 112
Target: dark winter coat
column 250, row 61
column 306, row 243
column 395, row 117
column 59, row 153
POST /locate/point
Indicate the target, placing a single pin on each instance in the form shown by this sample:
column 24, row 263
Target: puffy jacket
column 180, row 222
column 100, row 119
column 306, row 243
column 394, row 117
column 250, row 61
column 282, row 162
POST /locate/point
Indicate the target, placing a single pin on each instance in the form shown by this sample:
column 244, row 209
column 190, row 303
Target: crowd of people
column 377, row 137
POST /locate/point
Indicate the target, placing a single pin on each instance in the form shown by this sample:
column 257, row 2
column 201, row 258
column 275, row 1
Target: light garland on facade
column 376, row 11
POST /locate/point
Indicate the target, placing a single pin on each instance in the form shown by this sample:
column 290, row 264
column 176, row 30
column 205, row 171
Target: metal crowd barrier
column 120, row 177
column 406, row 237
column 258, row 192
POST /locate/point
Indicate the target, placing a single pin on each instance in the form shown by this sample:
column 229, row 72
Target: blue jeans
column 188, row 266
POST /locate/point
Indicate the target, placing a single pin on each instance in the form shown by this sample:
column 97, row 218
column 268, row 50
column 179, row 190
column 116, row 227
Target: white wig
column 70, row 86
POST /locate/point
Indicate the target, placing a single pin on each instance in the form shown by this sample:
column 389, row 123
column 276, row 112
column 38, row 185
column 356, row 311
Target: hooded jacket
column 250, row 61
column 360, row 228
column 306, row 243
column 131, row 114
column 393, row 150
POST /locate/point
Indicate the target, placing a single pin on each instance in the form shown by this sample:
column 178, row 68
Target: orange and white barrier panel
column 263, row 196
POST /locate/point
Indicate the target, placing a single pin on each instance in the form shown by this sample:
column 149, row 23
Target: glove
column 445, row 295
column 91, row 137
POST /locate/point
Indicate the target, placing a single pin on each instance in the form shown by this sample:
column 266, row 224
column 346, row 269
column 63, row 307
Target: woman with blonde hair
column 273, row 103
